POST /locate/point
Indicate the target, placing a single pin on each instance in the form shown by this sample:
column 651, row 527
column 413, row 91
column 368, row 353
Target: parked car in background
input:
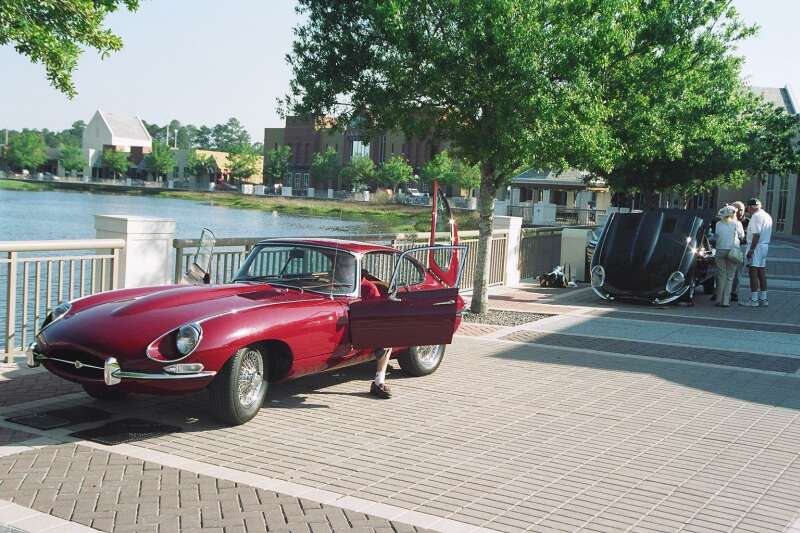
column 415, row 197
column 222, row 186
column 657, row 256
column 294, row 308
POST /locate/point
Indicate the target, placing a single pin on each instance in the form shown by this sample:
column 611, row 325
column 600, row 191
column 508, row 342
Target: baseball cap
column 754, row 202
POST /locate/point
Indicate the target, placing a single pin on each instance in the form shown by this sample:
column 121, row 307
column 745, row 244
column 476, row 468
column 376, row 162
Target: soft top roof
column 358, row 247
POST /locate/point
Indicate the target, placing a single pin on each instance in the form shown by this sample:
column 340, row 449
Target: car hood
column 125, row 322
column 639, row 251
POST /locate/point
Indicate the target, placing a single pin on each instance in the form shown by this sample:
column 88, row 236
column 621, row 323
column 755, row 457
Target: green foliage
column 203, row 138
column 116, row 162
column 394, row 172
column 54, row 33
column 72, row 158
column 229, row 137
column 160, row 161
column 26, row 151
column 278, row 162
column 243, row 161
column 325, row 167
column 200, row 165
column 359, row 172
column 451, row 171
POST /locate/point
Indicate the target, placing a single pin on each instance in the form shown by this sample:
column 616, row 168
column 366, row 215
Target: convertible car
column 293, row 309
column 657, row 256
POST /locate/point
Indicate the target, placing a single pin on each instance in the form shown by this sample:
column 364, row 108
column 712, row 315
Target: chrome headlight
column 188, row 338
column 675, row 282
column 598, row 276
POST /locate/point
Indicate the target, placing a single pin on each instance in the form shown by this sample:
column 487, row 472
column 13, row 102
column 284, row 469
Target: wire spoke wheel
column 251, row 378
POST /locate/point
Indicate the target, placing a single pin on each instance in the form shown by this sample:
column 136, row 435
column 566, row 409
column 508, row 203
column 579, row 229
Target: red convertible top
column 342, row 244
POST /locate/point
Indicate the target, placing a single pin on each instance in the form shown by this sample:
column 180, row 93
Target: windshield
column 302, row 267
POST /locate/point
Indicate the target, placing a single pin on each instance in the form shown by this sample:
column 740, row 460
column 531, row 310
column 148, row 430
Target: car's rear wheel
column 238, row 391
column 105, row 393
column 421, row 360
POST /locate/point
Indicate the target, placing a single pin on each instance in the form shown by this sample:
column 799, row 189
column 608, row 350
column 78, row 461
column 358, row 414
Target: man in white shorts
column 759, row 232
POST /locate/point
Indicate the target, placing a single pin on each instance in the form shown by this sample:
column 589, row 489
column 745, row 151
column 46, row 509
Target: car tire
column 421, row 360
column 239, row 389
column 105, row 393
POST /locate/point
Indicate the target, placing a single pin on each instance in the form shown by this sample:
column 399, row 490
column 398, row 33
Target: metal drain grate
column 124, row 431
column 57, row 418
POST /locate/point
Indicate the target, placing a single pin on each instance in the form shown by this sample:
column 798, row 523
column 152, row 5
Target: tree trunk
column 480, row 288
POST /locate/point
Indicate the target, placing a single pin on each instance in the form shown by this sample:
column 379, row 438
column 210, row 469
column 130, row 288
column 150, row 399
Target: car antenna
column 335, row 258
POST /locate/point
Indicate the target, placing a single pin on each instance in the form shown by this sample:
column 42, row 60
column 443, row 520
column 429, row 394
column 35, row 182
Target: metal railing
column 229, row 254
column 35, row 276
column 571, row 216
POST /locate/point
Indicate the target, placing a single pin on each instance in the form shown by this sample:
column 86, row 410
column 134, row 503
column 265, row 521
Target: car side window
column 410, row 272
column 382, row 265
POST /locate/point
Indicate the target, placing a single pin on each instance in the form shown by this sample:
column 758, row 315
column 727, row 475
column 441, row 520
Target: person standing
column 728, row 234
column 759, row 233
column 740, row 267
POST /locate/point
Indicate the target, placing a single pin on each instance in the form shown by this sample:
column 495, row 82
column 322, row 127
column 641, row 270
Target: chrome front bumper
column 112, row 373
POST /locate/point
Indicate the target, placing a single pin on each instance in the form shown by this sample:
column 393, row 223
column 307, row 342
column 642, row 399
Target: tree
column 451, row 171
column 325, row 167
column 27, row 151
column 72, row 158
column 54, row 33
column 394, row 172
column 186, row 136
column 200, row 165
column 116, row 162
column 512, row 84
column 203, row 138
column 160, row 161
column 278, row 163
column 358, row 172
column 230, row 136
column 243, row 161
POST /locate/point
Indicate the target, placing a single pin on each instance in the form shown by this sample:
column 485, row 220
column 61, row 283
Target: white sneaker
column 763, row 303
column 748, row 303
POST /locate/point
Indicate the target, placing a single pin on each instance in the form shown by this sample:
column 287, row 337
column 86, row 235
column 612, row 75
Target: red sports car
column 293, row 309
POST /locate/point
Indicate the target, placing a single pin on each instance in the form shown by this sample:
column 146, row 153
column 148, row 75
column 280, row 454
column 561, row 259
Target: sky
column 203, row 61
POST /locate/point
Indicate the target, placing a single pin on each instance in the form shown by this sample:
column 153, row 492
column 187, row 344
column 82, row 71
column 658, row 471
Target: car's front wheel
column 105, row 393
column 238, row 391
column 421, row 360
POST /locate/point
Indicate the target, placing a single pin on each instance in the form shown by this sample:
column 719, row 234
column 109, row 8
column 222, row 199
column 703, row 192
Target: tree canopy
column 55, row 33
column 72, row 158
column 160, row 161
column 244, row 161
column 26, row 151
column 116, row 162
column 200, row 165
column 278, row 162
column 394, row 172
column 514, row 84
column 358, row 172
column 451, row 171
column 325, row 167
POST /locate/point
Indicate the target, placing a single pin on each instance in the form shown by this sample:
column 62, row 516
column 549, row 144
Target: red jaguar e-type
column 293, row 309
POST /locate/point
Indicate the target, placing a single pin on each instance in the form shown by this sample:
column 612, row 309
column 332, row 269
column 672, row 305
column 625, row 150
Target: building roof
column 126, row 127
column 780, row 97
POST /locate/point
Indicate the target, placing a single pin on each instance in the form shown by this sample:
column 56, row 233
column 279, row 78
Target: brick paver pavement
column 115, row 493
column 32, row 387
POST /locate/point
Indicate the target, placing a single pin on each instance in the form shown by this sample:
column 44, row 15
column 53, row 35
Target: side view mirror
column 199, row 270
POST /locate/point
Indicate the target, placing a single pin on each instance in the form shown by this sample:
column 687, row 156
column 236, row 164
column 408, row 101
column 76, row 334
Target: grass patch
column 390, row 217
column 14, row 185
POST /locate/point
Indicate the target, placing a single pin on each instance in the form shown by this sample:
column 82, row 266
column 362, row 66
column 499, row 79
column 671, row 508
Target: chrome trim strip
column 116, row 374
column 195, row 324
column 144, row 375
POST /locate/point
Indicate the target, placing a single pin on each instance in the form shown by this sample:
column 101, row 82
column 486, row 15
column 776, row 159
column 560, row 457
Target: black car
column 657, row 256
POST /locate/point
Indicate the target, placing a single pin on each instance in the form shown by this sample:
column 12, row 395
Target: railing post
column 145, row 260
column 178, row 263
column 11, row 307
column 513, row 227
column 115, row 270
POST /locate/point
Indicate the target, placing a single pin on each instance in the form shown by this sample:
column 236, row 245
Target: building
column 307, row 137
column 120, row 133
column 779, row 195
column 221, row 172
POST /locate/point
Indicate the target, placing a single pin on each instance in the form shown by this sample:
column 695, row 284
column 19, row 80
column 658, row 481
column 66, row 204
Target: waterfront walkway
column 599, row 417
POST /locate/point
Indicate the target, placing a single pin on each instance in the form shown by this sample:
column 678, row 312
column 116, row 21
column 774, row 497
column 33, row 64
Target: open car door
column 412, row 314
column 199, row 270
column 443, row 262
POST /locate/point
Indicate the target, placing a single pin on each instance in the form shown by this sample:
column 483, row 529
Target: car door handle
column 448, row 302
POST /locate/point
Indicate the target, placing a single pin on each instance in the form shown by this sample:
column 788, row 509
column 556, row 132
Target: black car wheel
column 238, row 391
column 421, row 360
column 105, row 393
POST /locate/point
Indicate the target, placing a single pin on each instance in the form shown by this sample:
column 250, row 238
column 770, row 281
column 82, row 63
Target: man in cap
column 759, row 232
column 740, row 209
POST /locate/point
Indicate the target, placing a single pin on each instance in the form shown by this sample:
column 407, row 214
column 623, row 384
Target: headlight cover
column 58, row 311
column 675, row 282
column 598, row 276
column 187, row 338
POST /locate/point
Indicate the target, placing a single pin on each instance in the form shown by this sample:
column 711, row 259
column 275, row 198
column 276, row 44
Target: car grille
column 65, row 361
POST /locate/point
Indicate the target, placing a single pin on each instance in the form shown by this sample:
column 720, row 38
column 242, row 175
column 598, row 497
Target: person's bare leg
column 378, row 387
column 762, row 283
column 753, row 281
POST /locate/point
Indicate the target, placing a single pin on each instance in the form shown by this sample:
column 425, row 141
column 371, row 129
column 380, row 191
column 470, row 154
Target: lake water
column 33, row 215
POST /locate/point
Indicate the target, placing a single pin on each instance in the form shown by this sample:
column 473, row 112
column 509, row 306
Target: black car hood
column 640, row 251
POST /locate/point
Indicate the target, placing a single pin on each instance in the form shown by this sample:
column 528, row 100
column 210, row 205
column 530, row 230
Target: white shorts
column 759, row 259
